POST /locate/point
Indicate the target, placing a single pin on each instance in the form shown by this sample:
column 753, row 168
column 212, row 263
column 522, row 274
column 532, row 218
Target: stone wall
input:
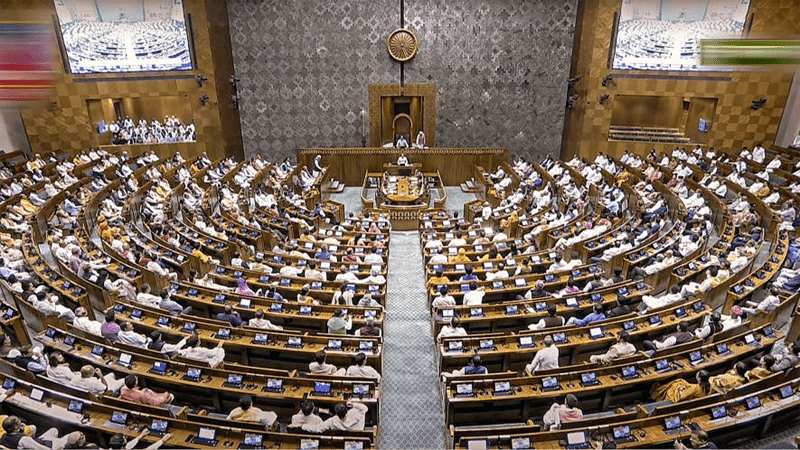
column 500, row 69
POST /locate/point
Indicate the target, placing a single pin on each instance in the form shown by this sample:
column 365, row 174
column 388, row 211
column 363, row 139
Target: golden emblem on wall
column 402, row 45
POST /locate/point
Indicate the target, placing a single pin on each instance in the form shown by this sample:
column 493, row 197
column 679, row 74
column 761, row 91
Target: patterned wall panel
column 734, row 124
column 500, row 69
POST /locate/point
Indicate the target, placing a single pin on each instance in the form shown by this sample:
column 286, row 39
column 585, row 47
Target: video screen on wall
column 666, row 34
column 110, row 36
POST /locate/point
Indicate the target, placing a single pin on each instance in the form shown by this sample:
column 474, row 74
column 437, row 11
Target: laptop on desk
column 158, row 427
column 521, row 443
column 718, row 412
column 672, row 425
column 234, row 381
column 622, row 435
column 252, row 441
column 464, row 390
column 322, row 389
column 206, row 436
column 502, row 388
column 274, row 385
column 455, row 346
column 119, row 419
column 487, row 344
column 159, row 368
column 662, row 365
column 550, row 384
column 526, row 342
column 696, row 357
column 193, row 374
column 589, row 379
column 629, row 373
column 577, row 440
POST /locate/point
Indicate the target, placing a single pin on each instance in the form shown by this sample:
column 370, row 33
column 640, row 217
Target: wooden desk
column 454, row 164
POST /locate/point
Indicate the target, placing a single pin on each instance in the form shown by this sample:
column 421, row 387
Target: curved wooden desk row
column 95, row 419
column 518, row 285
column 612, row 390
column 187, row 378
column 291, row 286
column 741, row 416
column 69, row 292
column 454, row 271
column 496, row 317
column 762, row 274
column 290, row 350
column 277, row 260
column 474, row 252
column 512, row 352
column 622, row 416
column 214, row 301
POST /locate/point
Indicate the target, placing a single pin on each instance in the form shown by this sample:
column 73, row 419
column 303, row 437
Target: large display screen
column 106, row 36
column 666, row 34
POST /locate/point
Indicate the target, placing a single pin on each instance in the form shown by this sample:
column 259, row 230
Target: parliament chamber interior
column 565, row 224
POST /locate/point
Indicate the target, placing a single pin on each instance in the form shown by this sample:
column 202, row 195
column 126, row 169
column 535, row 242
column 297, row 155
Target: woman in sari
column 243, row 288
column 729, row 380
column 680, row 390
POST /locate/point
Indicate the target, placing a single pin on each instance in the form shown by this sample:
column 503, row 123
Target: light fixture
column 604, row 98
column 200, row 80
column 757, row 104
column 607, row 79
column 203, row 99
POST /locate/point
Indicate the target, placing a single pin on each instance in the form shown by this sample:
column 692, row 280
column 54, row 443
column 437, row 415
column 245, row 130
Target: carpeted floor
column 410, row 412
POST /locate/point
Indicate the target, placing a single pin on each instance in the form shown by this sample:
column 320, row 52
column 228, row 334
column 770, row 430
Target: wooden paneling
column 66, row 125
column 349, row 165
column 735, row 124
column 637, row 111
